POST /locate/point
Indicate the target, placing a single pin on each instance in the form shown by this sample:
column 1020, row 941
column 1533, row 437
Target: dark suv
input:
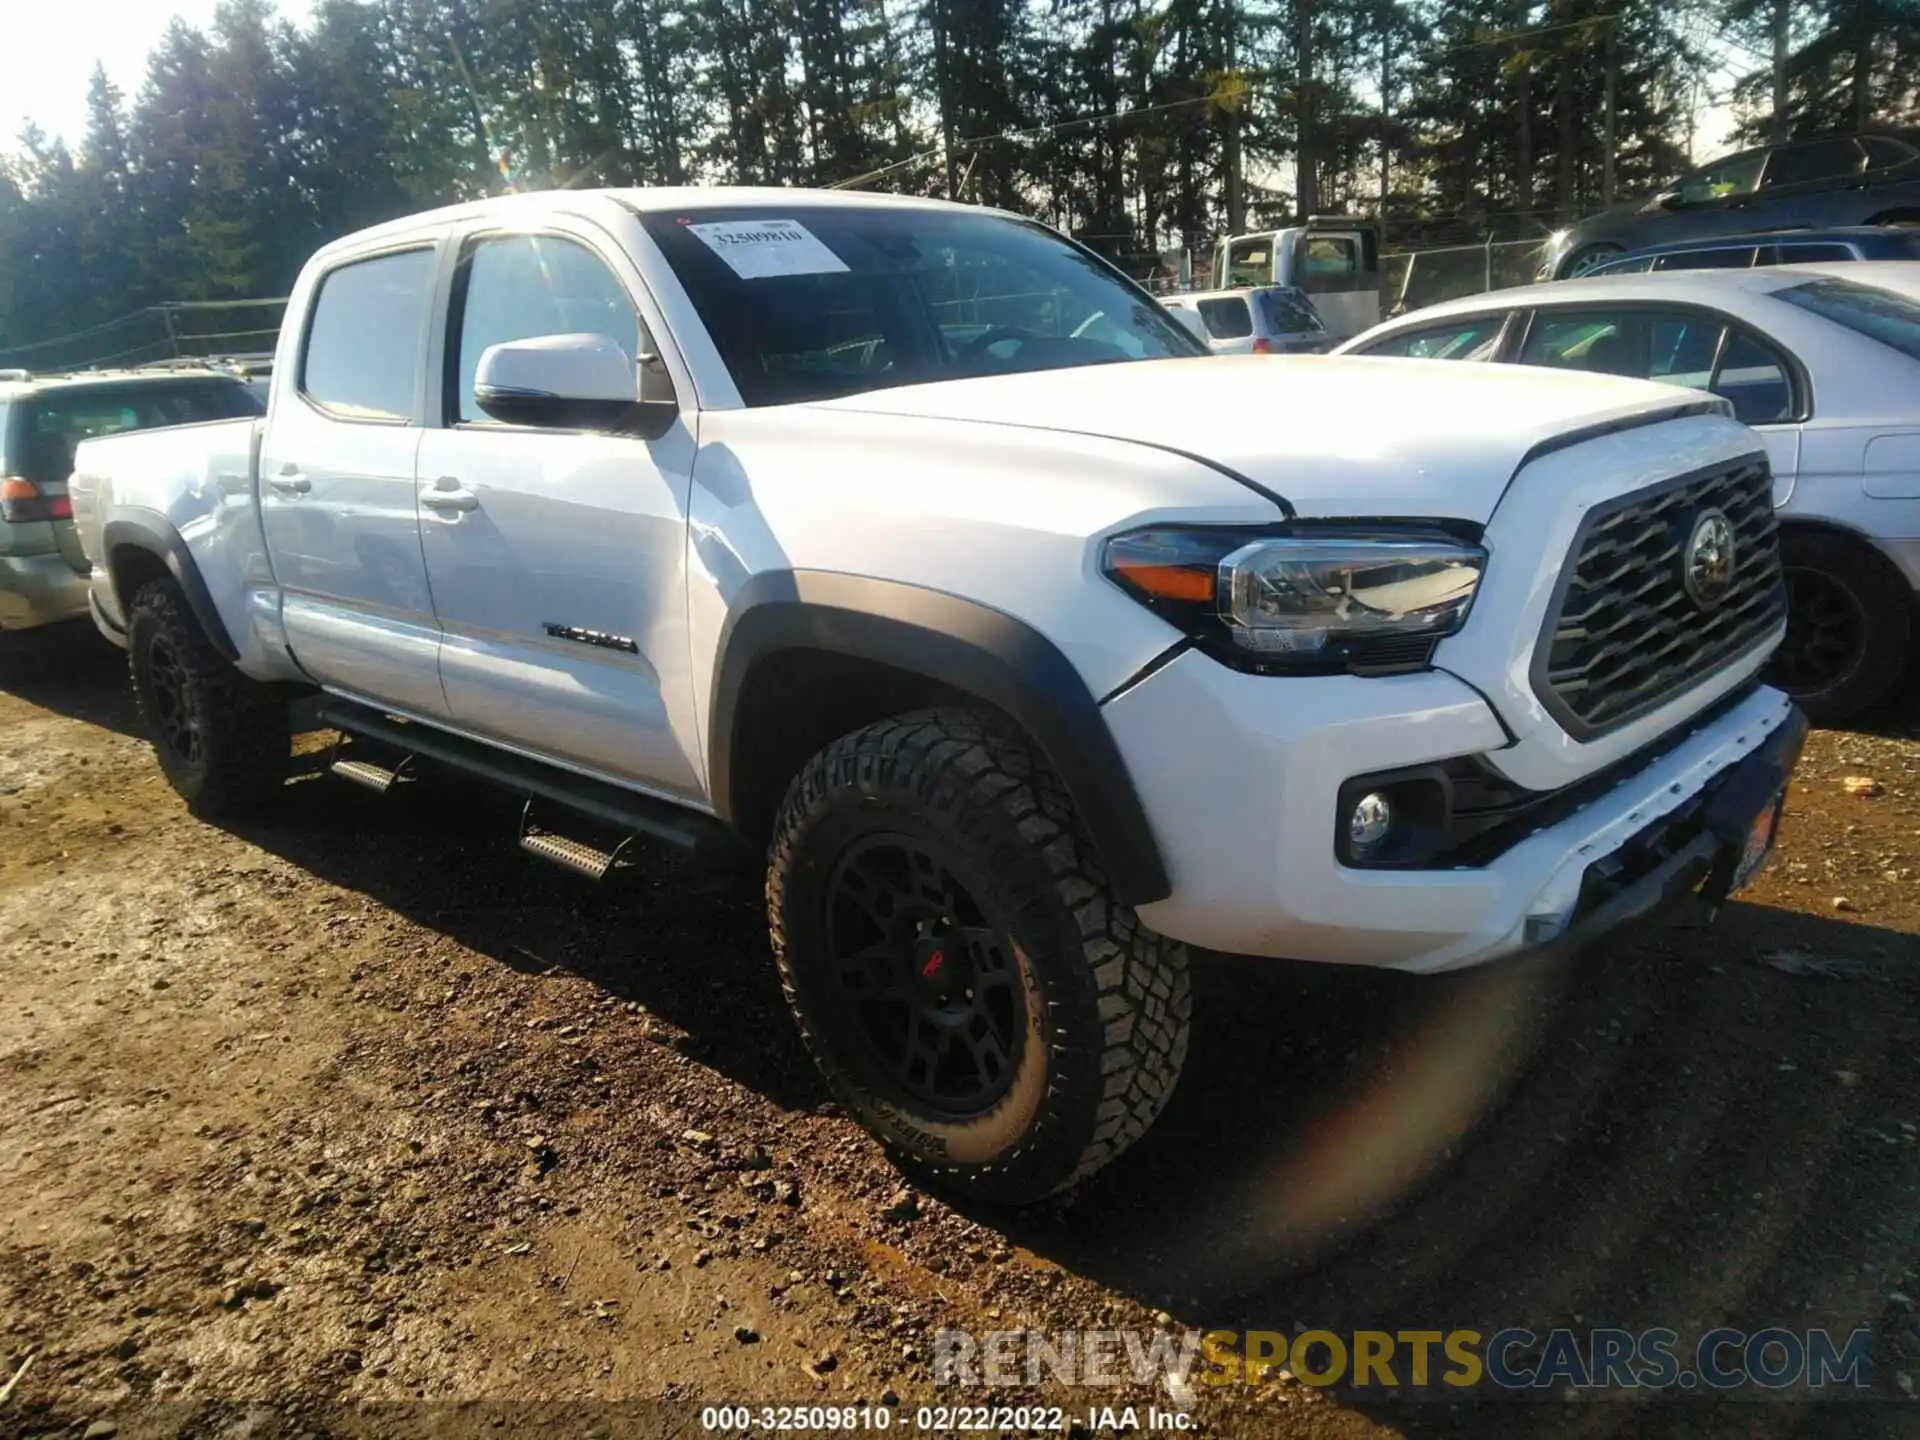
column 1866, row 179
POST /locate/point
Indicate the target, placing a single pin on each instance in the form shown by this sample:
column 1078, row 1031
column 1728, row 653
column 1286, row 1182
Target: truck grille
column 1628, row 633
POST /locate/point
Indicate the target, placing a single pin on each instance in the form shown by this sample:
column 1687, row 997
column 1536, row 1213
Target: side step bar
column 625, row 811
column 376, row 778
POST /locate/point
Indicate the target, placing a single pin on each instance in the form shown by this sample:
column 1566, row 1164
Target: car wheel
column 1849, row 615
column 960, row 971
column 222, row 739
column 1586, row 258
column 1898, row 219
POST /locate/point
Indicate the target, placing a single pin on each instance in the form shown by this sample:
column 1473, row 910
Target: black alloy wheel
column 931, row 981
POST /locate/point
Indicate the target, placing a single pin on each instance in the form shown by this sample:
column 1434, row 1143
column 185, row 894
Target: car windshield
column 1289, row 312
column 1893, row 320
column 811, row 302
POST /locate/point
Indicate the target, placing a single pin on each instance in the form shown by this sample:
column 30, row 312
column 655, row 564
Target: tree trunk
column 1862, row 83
column 1230, row 141
column 1386, row 107
column 1608, row 123
column 1523, row 181
column 1564, row 162
column 943, row 83
column 1778, row 128
column 1306, row 187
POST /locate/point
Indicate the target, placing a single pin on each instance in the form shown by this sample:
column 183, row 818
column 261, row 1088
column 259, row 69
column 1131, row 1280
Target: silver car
column 1822, row 361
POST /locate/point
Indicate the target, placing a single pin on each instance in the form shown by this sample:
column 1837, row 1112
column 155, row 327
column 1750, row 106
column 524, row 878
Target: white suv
column 917, row 548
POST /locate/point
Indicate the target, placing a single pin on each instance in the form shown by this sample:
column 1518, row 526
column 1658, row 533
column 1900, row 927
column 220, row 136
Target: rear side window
column 1288, row 312
column 1469, row 339
column 1227, row 319
column 1884, row 152
column 1735, row 257
column 364, row 341
column 1893, row 320
column 1752, row 377
column 1810, row 164
column 1807, row 253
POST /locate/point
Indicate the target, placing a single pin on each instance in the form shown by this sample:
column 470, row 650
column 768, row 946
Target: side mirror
column 1670, row 200
column 575, row 382
column 1191, row 323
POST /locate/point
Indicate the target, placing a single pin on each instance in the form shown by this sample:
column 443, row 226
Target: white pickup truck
column 915, row 547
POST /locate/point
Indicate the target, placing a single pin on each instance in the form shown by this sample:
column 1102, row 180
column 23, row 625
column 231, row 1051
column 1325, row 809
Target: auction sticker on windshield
column 759, row 249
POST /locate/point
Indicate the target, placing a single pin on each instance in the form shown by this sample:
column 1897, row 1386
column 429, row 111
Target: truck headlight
column 1338, row 599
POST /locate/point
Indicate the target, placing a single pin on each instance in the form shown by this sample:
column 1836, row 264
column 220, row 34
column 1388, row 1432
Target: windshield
column 1893, row 320
column 809, row 303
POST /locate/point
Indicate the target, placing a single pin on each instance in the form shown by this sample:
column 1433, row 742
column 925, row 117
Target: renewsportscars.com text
column 1513, row 1359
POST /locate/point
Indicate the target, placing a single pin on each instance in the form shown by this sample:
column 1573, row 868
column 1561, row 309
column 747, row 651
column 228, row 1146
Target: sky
column 51, row 45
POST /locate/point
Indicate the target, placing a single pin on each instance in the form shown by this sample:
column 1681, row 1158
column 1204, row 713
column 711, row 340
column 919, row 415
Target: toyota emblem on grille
column 1706, row 566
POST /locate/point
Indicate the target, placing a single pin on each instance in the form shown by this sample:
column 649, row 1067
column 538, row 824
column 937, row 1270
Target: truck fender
column 150, row 532
column 969, row 647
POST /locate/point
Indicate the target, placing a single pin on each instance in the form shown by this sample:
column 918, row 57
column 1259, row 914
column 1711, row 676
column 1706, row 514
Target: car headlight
column 1366, row 601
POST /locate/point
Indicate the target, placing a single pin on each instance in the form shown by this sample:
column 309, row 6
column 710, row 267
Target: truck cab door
column 557, row 558
column 336, row 482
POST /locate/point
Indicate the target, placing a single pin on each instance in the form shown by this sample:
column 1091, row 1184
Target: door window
column 1250, row 261
column 1598, row 341
column 363, row 343
column 1811, row 164
column 1227, row 319
column 518, row 287
column 1724, row 257
column 1475, row 338
column 1735, row 175
column 1329, row 262
column 1673, row 347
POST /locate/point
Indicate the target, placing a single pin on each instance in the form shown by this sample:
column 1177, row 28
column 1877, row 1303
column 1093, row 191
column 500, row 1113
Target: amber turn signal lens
column 1167, row 582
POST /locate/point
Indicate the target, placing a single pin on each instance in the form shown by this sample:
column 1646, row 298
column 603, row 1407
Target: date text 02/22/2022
column 943, row 1419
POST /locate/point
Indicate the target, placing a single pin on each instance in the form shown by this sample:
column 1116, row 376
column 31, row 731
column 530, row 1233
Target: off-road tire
column 1853, row 574
column 243, row 736
column 1108, row 1001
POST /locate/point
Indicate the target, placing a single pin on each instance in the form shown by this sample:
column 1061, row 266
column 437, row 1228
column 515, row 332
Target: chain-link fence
column 1413, row 279
column 176, row 331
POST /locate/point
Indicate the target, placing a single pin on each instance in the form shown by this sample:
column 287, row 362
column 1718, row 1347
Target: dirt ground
column 357, row 1108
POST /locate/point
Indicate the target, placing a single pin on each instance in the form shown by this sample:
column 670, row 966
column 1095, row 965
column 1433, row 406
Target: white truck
column 916, row 548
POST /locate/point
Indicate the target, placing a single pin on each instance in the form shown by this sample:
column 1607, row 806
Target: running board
column 376, row 778
column 623, row 811
column 572, row 855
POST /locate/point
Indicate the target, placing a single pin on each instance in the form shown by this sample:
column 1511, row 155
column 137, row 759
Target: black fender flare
column 973, row 648
column 150, row 531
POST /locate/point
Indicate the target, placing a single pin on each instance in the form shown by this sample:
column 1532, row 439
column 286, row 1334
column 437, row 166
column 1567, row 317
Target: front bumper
column 39, row 590
column 1240, row 776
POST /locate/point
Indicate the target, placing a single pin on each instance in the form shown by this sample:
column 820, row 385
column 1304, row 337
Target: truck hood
column 1330, row 436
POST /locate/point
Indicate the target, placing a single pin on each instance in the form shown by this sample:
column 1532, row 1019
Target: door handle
column 448, row 494
column 290, row 482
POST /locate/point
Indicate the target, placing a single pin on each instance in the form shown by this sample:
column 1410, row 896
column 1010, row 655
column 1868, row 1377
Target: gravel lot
column 357, row 1105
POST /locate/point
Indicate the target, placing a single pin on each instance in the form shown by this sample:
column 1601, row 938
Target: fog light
column 1369, row 823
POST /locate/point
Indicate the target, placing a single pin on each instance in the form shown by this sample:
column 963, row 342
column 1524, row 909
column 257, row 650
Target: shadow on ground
column 70, row 670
